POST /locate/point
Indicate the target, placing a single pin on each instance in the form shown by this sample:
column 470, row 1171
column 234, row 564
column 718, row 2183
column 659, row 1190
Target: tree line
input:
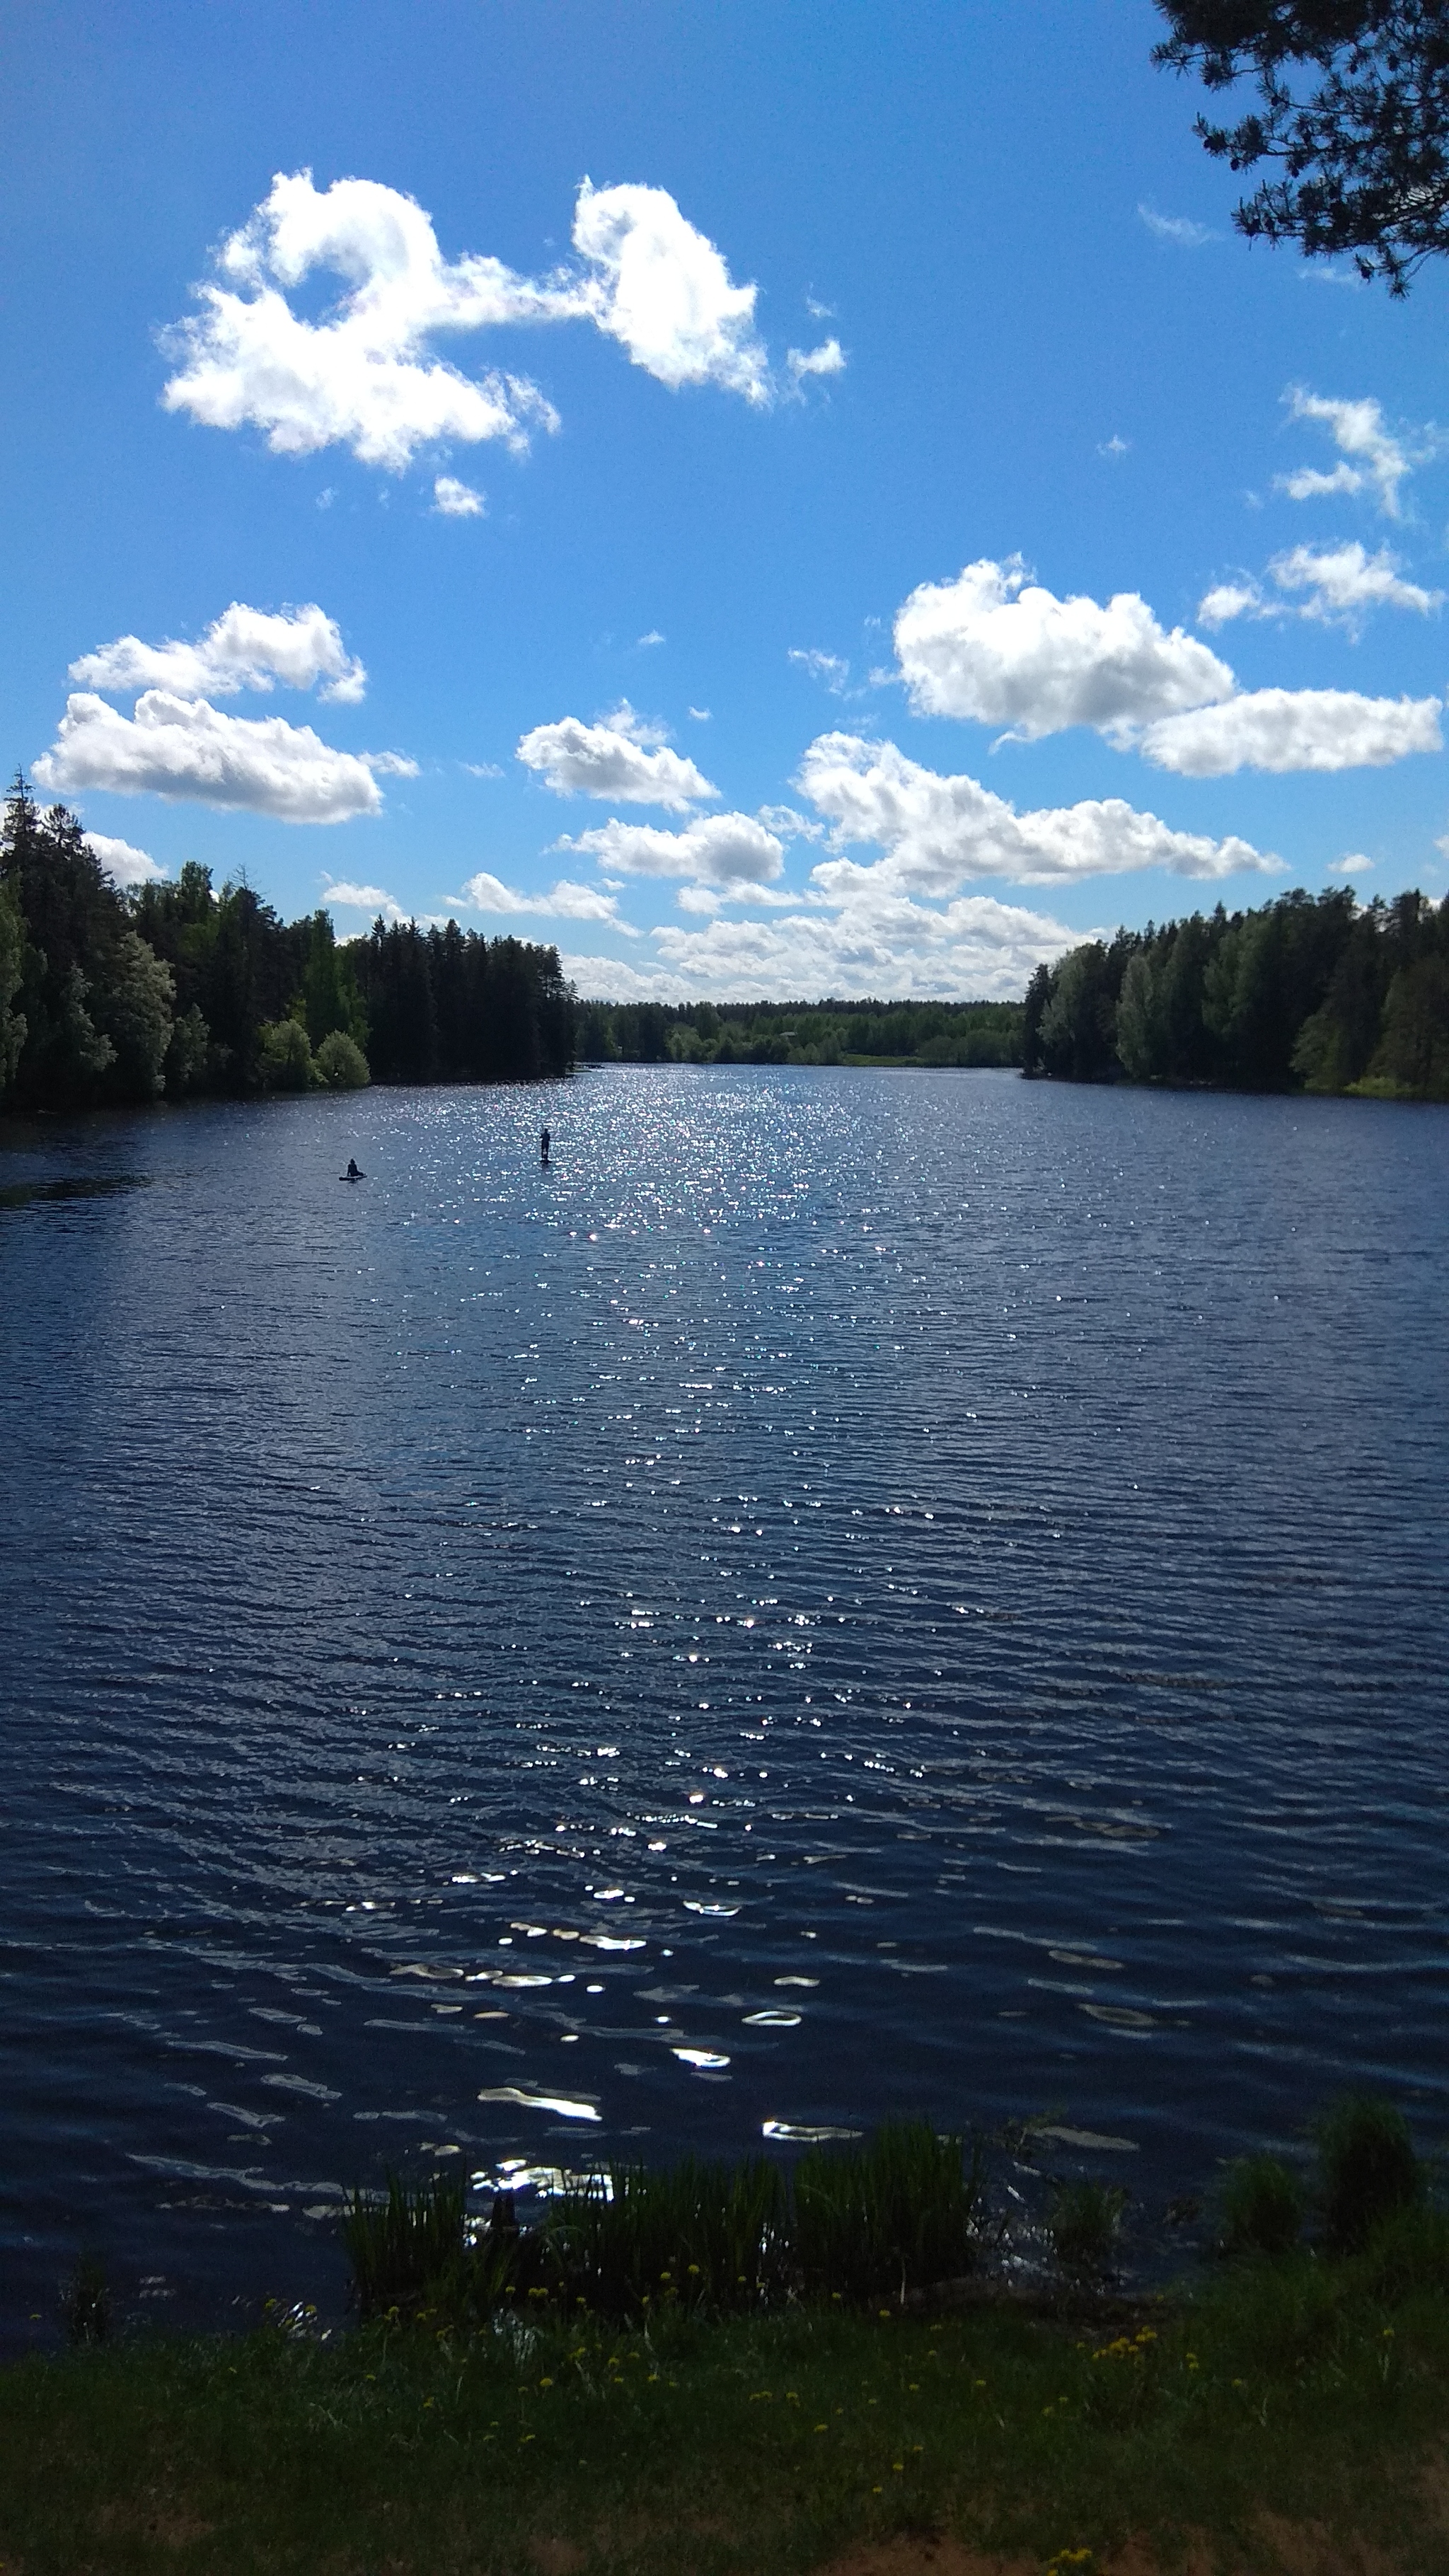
column 178, row 988
column 934, row 1033
column 1308, row 992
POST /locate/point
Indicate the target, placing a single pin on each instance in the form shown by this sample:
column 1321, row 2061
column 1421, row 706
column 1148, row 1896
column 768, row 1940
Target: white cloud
column 645, row 643
column 612, row 761
column 565, row 901
column 975, row 949
column 825, row 667
column 124, row 865
column 731, row 852
column 455, row 500
column 366, row 375
column 1282, row 729
column 995, row 647
column 363, row 375
column 699, row 715
column 790, row 825
column 364, row 898
column 1114, row 447
column 481, row 768
column 1229, row 599
column 663, row 291
column 1345, row 581
column 1374, row 458
column 1352, row 864
column 184, row 748
column 827, row 360
column 939, row 833
column 244, row 648
column 1176, row 228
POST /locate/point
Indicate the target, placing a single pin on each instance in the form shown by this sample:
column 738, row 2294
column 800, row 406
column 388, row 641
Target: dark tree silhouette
column 1352, row 105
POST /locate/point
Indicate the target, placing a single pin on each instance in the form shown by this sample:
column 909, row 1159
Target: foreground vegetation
column 178, row 989
column 1283, row 2397
column 1305, row 993
column 1286, row 2410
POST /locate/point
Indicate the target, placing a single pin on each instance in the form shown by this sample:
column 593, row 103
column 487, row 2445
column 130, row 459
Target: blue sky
column 452, row 529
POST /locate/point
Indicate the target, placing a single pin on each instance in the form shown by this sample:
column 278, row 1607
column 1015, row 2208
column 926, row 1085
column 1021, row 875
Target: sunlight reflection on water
column 973, row 1542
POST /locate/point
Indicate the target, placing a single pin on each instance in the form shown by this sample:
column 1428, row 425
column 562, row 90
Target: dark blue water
column 850, row 1594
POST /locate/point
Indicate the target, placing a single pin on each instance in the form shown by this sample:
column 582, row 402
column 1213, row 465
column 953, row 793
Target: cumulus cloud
column 455, row 500
column 731, row 852
column 123, row 864
column 244, row 648
column 373, row 900
column 565, row 901
column 699, row 715
column 1374, row 459
column 613, row 761
column 827, row 360
column 1352, row 864
column 366, row 374
column 186, row 749
column 663, row 291
column 939, row 833
column 974, row 949
column 1282, row 729
column 994, row 646
column 1179, row 229
column 646, row 643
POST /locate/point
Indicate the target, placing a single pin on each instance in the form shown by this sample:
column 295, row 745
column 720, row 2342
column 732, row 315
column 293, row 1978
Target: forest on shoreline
column 1309, row 992
column 178, row 989
column 930, row 1033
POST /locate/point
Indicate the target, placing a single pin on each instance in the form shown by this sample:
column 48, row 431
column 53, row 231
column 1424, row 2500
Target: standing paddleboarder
column 543, row 1145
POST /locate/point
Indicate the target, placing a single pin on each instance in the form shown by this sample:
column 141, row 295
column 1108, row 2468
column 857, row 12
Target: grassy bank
column 737, row 2372
column 1288, row 2414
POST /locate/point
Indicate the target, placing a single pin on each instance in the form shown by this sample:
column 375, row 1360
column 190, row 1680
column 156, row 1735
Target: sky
column 780, row 502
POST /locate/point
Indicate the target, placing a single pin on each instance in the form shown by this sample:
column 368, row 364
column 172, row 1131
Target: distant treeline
column 1306, row 993
column 967, row 1033
column 177, row 988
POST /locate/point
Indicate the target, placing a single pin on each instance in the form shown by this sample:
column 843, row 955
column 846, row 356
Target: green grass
column 752, row 2446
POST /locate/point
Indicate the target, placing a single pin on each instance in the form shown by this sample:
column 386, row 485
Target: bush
column 1367, row 2169
column 1084, row 2224
column 341, row 1063
column 1408, row 2252
column 286, row 1056
column 1259, row 2207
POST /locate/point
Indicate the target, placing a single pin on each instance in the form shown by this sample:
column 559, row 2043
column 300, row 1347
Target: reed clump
column 896, row 2214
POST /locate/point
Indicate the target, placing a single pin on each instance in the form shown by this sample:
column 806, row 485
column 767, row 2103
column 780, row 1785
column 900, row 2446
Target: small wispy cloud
column 481, row 768
column 828, row 668
column 1178, row 229
column 642, row 643
column 1352, row 864
column 1114, row 447
column 827, row 360
column 699, row 715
